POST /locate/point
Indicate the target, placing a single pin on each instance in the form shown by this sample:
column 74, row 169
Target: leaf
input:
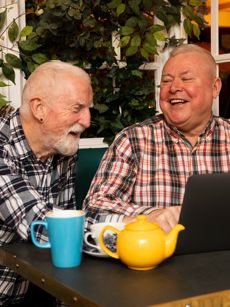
column 113, row 4
column 39, row 58
column 187, row 26
column 142, row 23
column 31, row 66
column 199, row 21
column 117, row 124
column 156, row 28
column 150, row 39
column 195, row 2
column 126, row 30
column 134, row 5
column 131, row 51
column 148, row 4
column 8, row 72
column 101, row 107
column 28, row 45
column 188, row 12
column 162, row 16
column 120, row 9
column 2, row 19
column 145, row 54
column 27, row 30
column 196, row 30
column 137, row 73
column 160, row 36
column 124, row 41
column 3, row 84
column 3, row 101
column 132, row 22
column 136, row 40
column 13, row 31
column 13, row 60
column 150, row 48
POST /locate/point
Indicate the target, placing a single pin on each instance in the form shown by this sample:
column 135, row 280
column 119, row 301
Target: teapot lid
column 141, row 223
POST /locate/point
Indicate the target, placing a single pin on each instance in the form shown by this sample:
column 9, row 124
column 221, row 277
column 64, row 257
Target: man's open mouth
column 177, row 101
column 74, row 133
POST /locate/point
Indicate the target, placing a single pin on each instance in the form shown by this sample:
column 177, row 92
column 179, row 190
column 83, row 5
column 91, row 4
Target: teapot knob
column 141, row 217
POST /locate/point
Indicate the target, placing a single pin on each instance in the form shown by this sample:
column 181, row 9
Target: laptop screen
column 205, row 214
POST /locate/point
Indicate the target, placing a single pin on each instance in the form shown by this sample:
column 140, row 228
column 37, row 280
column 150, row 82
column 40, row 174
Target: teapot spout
column 171, row 240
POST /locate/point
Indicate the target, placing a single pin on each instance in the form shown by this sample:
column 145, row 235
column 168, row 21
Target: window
column 216, row 38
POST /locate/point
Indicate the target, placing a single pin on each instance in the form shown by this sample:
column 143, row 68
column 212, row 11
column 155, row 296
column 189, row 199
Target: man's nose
column 85, row 118
column 176, row 85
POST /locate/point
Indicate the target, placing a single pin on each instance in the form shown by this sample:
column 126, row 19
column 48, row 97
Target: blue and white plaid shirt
column 29, row 188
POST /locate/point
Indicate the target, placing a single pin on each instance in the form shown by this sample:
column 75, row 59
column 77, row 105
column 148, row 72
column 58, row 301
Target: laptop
column 205, row 214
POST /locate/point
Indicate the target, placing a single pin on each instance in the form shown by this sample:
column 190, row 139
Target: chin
column 177, row 121
column 68, row 149
column 68, row 152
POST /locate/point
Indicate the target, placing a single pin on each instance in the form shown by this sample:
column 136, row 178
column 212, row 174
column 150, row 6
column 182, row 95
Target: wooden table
column 184, row 280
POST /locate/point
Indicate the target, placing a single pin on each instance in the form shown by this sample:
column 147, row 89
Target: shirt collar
column 17, row 137
column 177, row 134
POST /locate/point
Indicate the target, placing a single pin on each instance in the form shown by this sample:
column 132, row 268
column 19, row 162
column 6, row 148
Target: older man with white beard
column 38, row 146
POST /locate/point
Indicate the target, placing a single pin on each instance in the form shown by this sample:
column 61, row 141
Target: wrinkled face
column 67, row 115
column 187, row 90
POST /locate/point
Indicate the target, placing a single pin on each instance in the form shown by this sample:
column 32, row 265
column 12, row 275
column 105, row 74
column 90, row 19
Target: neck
column 193, row 135
column 193, row 131
column 192, row 139
column 35, row 137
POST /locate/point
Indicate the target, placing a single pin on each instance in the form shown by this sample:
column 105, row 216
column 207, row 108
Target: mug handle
column 103, row 246
column 34, row 240
column 89, row 234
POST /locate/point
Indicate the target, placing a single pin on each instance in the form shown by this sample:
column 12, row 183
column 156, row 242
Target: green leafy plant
column 89, row 34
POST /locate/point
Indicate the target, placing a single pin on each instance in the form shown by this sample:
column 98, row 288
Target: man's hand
column 166, row 218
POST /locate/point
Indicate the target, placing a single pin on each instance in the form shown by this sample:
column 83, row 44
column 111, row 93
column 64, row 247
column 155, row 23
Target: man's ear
column 216, row 87
column 37, row 108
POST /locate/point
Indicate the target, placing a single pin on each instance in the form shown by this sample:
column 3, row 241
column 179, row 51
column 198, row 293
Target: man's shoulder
column 225, row 122
column 141, row 130
column 5, row 129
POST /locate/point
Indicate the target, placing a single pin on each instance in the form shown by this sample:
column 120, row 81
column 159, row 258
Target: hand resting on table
column 167, row 218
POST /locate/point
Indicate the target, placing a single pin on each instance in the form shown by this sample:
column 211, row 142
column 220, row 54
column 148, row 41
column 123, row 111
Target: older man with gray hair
column 38, row 146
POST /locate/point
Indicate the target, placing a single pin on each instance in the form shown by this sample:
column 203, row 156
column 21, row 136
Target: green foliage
column 83, row 32
column 117, row 105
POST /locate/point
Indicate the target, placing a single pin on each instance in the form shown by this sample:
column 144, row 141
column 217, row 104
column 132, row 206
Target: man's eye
column 166, row 81
column 76, row 110
column 187, row 79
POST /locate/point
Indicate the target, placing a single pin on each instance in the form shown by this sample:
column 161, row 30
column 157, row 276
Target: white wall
column 13, row 91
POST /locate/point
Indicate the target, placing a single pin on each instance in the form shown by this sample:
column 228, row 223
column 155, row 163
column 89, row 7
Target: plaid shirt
column 147, row 167
column 28, row 189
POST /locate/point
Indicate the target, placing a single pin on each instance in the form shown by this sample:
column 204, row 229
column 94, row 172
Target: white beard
column 68, row 144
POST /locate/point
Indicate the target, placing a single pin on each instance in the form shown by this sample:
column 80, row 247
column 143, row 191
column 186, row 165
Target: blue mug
column 65, row 234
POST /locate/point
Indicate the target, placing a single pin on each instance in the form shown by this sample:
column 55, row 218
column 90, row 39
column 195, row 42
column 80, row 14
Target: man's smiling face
column 68, row 115
column 187, row 91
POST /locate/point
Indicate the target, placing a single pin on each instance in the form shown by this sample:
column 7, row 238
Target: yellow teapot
column 142, row 245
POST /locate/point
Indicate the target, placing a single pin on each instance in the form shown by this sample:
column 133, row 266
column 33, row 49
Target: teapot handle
column 101, row 241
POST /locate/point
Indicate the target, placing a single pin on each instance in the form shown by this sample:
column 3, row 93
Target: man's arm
column 110, row 197
column 167, row 218
column 20, row 204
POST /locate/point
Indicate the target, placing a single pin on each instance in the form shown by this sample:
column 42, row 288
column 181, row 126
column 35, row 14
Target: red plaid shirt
column 147, row 167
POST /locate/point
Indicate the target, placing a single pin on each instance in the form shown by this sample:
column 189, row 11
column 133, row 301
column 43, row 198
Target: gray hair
column 45, row 77
column 188, row 48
